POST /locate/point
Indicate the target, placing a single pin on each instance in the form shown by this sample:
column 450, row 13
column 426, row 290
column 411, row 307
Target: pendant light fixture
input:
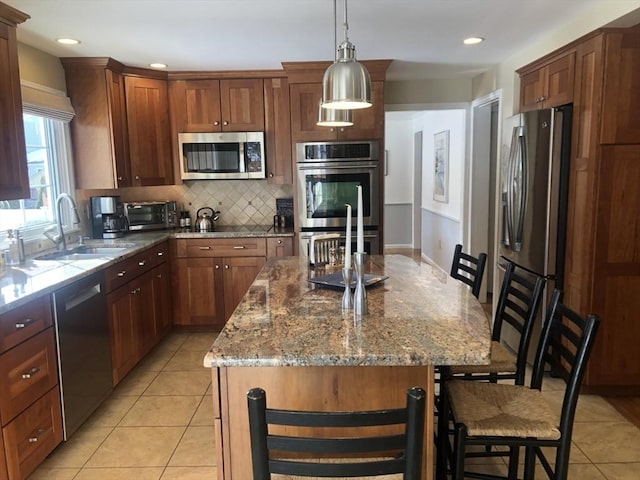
column 331, row 117
column 346, row 84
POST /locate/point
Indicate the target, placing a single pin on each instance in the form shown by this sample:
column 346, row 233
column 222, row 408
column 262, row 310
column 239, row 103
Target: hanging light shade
column 346, row 84
column 328, row 117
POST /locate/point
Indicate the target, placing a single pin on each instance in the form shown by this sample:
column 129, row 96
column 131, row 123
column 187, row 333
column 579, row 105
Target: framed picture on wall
column 441, row 166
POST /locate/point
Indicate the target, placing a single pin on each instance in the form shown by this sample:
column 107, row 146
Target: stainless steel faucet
column 76, row 218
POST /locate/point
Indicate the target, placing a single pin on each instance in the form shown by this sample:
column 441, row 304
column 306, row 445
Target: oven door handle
column 325, row 169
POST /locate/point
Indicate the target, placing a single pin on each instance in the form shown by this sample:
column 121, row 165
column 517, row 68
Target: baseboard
column 399, row 245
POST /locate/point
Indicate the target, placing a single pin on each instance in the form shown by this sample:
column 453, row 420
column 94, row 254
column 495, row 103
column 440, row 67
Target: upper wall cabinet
column 209, row 105
column 119, row 139
column 14, row 180
column 549, row 84
column 277, row 123
column 305, row 99
column 149, row 131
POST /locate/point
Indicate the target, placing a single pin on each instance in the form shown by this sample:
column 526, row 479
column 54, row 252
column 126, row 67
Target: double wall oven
column 327, row 176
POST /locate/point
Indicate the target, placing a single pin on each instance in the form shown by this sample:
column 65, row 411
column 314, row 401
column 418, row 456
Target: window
column 48, row 145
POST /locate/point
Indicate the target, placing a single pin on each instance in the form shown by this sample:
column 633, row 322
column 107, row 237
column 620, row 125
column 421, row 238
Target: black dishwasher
column 84, row 350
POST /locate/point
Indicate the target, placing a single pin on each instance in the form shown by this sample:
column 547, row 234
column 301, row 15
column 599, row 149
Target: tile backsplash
column 241, row 202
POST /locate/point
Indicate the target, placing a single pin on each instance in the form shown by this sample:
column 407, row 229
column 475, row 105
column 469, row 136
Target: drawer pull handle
column 142, row 263
column 122, row 273
column 160, row 254
column 239, row 247
column 31, row 373
column 24, row 323
column 35, row 438
column 205, row 248
column 135, row 290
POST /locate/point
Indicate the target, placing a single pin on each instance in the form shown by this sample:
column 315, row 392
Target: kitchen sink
column 84, row 252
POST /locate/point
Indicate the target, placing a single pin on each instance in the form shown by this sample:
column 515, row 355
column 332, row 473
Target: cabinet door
column 149, row 133
column 368, row 123
column 279, row 247
column 195, row 105
column 531, row 90
column 239, row 274
column 242, row 105
column 144, row 313
column 120, row 139
column 14, row 181
column 305, row 101
column 3, row 462
column 559, row 81
column 278, row 131
column 162, row 299
column 200, row 292
column 122, row 331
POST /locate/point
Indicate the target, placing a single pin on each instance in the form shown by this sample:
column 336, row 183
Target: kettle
column 204, row 222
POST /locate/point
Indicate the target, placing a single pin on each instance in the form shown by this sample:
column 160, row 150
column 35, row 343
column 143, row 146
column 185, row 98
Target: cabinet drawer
column 23, row 322
column 117, row 275
column 26, row 373
column 227, row 247
column 158, row 254
column 33, row 435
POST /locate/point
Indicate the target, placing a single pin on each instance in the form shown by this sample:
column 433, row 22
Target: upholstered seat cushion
column 502, row 361
column 502, row 410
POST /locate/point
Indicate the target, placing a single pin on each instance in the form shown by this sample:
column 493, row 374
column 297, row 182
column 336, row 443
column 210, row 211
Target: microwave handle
column 243, row 157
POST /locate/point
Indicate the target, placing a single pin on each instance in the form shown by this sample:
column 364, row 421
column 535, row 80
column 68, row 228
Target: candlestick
column 360, row 231
column 360, row 295
column 347, row 299
column 347, row 242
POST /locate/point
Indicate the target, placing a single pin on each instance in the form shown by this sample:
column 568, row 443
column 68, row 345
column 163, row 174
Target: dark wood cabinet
column 162, row 299
column 149, row 132
column 122, row 331
column 279, row 247
column 368, row 123
column 602, row 262
column 200, row 292
column 212, row 105
column 14, row 179
column 277, row 122
column 239, row 273
column 548, row 85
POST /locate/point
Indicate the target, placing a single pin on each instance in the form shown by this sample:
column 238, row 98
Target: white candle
column 360, row 231
column 347, row 242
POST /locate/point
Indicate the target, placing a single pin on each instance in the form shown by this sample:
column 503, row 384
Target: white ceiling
column 423, row 37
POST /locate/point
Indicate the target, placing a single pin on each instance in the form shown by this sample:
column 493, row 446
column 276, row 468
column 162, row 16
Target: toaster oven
column 151, row 215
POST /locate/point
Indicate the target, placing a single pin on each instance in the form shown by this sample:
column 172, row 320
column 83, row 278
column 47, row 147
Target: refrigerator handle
column 516, row 188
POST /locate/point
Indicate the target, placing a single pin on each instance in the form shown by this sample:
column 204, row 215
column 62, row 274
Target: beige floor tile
column 146, row 473
column 161, row 411
column 199, row 342
column 79, row 448
column 43, row 473
column 156, row 360
column 603, row 442
column 204, row 414
column 590, row 408
column 181, row 383
column 137, row 447
column 186, row 360
column 173, row 341
column 189, row 473
column 135, row 383
column 111, row 411
column 620, row 471
column 196, row 449
column 582, row 471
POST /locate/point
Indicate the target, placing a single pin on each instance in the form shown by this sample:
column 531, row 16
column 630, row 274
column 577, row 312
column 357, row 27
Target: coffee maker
column 107, row 217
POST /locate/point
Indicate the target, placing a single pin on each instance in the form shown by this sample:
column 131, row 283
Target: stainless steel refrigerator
column 535, row 168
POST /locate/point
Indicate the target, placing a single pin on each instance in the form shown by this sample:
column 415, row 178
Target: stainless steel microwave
column 227, row 155
column 151, row 215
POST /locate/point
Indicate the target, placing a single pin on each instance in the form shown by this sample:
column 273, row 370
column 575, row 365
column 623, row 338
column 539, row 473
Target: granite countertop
column 20, row 284
column 418, row 316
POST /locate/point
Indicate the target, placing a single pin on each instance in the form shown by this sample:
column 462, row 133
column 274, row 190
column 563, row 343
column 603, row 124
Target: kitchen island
column 290, row 337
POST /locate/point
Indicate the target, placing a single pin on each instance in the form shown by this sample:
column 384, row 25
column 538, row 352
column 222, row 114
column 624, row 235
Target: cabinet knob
column 122, row 273
column 159, row 275
column 34, row 439
column 270, row 175
column 332, row 129
column 30, row 373
column 135, row 290
column 217, row 267
column 342, row 129
column 216, row 123
column 24, row 323
column 226, row 267
column 225, row 123
column 137, row 177
column 142, row 263
column 119, row 179
column 279, row 242
column 160, row 254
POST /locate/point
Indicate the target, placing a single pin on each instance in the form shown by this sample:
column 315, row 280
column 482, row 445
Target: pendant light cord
column 346, row 23
column 335, row 30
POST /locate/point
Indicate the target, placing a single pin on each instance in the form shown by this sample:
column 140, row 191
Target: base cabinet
column 139, row 307
column 200, row 292
column 279, row 247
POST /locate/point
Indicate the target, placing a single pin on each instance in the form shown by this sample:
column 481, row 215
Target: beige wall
column 39, row 67
column 419, row 92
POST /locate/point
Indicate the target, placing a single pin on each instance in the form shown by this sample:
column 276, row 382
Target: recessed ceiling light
column 68, row 41
column 473, row 40
column 158, row 65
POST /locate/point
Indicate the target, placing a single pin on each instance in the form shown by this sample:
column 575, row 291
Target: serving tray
column 334, row 280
